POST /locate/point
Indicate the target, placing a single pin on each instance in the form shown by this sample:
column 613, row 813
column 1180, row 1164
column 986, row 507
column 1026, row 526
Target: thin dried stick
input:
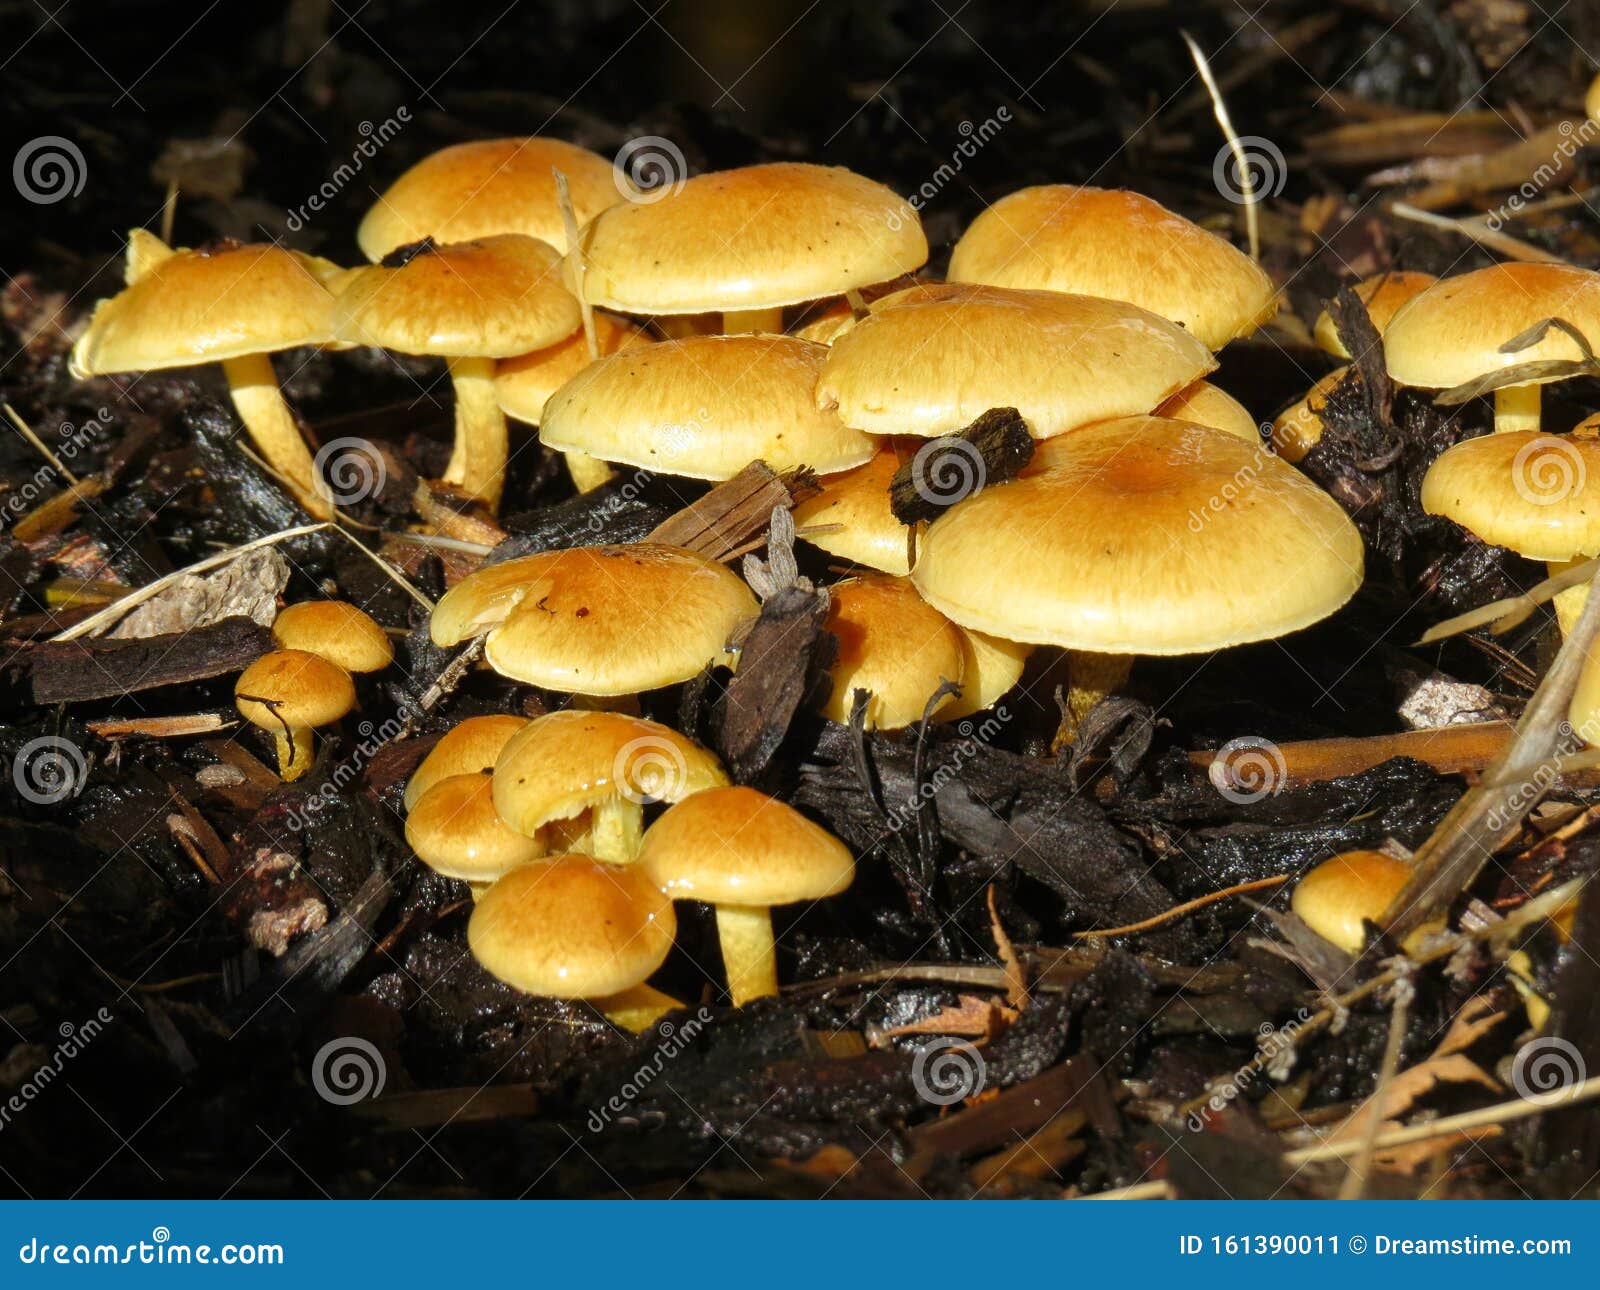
column 1247, row 181
column 1188, row 906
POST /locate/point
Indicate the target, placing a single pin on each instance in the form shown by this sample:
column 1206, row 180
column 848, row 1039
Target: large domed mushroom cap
column 1143, row 536
column 1120, row 245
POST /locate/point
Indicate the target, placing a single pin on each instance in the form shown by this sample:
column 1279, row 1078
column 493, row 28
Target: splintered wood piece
column 731, row 520
column 1451, row 750
column 175, row 727
column 79, row 670
column 951, row 469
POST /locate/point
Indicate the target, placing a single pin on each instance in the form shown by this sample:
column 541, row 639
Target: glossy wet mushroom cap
column 1207, row 405
column 525, row 382
column 1341, row 895
column 704, row 407
column 758, row 237
column 851, row 517
column 337, row 631
column 892, row 644
column 455, row 830
column 1143, row 536
column 489, row 186
column 570, row 927
column 601, row 620
column 565, row 763
column 289, row 693
column 1121, row 246
column 930, row 360
column 1298, row 428
column 467, row 748
column 1382, row 294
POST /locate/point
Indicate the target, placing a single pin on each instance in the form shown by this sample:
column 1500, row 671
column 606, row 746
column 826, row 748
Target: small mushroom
column 850, row 517
column 1206, row 405
column 455, row 831
column 744, row 852
column 893, row 645
column 232, row 305
column 571, row 620
column 1298, row 428
column 1453, row 333
column 1339, row 897
column 1118, row 245
column 334, row 630
column 466, row 748
column 573, row 927
column 469, row 303
column 1382, row 294
column 704, row 407
column 585, row 778
column 747, row 242
column 289, row 693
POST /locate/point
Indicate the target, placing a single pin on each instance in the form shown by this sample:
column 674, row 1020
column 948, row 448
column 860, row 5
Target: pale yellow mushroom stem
column 638, row 1008
column 742, row 320
column 294, row 752
column 254, row 387
column 1090, row 678
column 749, row 954
column 1516, row 407
column 1569, row 603
column 618, row 826
column 587, row 472
column 478, row 459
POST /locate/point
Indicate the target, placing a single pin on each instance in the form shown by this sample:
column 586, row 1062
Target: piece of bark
column 248, row 587
column 176, row 727
column 732, row 518
column 951, row 469
column 81, row 670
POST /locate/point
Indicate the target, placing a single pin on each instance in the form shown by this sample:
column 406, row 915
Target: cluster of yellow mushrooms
column 694, row 329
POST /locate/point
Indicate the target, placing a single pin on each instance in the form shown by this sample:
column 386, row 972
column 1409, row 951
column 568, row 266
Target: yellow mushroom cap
column 572, row 928
column 492, row 298
column 337, row 631
column 205, row 306
column 564, row 763
column 1534, row 493
column 1206, row 405
column 525, row 383
column 467, row 748
column 930, row 360
column 736, row 846
column 295, row 689
column 991, row 669
column 753, row 238
column 857, row 502
column 1143, row 536
column 1298, row 428
column 704, row 407
column 1337, row 897
column 1122, row 246
column 1382, row 294
column 599, row 620
column 475, row 190
column 455, row 830
column 830, row 324
column 1451, row 333
column 892, row 643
